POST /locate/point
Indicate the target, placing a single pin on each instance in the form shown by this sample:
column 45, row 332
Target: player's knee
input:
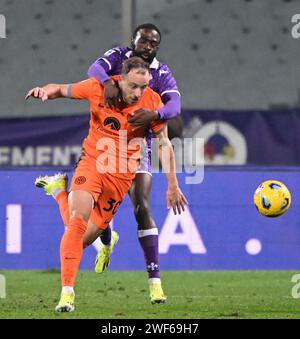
column 142, row 210
column 79, row 215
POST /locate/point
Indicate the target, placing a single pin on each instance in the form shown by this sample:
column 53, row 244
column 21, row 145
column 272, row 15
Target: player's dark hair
column 135, row 63
column 146, row 26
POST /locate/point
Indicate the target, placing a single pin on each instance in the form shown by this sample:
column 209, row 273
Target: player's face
column 146, row 44
column 133, row 86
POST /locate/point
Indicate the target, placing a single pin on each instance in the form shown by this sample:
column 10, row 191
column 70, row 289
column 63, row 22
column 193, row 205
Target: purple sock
column 149, row 243
column 106, row 236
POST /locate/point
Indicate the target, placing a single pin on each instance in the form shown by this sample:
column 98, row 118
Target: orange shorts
column 108, row 191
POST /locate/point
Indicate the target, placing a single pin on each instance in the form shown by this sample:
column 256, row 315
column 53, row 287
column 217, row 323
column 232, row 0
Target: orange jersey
column 111, row 140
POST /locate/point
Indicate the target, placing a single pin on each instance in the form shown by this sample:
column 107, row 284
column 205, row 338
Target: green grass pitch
column 124, row 295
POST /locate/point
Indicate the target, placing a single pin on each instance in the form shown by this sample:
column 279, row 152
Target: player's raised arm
column 100, row 69
column 170, row 97
column 175, row 197
column 48, row 92
column 111, row 90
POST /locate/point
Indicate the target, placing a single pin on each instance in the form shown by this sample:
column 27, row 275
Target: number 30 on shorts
column 112, row 205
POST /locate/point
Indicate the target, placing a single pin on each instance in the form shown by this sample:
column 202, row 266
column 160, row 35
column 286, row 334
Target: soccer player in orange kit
column 111, row 155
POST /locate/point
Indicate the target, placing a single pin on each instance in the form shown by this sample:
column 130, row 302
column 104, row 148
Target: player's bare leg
column 91, row 234
column 147, row 233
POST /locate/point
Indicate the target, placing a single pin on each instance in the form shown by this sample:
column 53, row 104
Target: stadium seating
column 227, row 55
column 52, row 41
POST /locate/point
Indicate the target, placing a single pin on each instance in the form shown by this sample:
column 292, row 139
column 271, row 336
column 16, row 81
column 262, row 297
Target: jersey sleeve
column 81, row 90
column 99, row 71
column 167, row 83
column 112, row 59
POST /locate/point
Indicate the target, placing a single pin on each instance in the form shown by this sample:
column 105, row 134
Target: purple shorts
column 145, row 166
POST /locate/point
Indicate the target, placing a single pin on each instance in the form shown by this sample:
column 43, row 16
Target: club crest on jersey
column 80, row 180
column 113, row 122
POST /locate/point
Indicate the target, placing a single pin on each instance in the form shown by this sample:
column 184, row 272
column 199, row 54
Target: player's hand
column 176, row 199
column 38, row 93
column 111, row 94
column 143, row 118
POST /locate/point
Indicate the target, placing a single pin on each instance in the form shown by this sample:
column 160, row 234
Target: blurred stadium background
column 237, row 66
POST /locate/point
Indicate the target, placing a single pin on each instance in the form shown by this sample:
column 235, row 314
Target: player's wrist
column 173, row 184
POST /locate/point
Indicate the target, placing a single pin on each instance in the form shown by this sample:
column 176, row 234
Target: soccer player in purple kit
column 145, row 43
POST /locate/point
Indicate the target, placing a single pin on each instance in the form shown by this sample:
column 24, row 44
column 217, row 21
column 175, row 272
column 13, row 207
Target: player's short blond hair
column 135, row 63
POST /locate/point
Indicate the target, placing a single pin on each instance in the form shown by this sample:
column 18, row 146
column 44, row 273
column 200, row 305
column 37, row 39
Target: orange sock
column 71, row 249
column 62, row 200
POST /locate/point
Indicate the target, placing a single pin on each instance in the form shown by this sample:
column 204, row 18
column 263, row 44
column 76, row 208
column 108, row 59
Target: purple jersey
column 162, row 82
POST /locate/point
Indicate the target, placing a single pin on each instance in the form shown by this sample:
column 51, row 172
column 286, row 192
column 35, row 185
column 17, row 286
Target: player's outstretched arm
column 170, row 110
column 172, row 106
column 99, row 70
column 175, row 198
column 48, row 92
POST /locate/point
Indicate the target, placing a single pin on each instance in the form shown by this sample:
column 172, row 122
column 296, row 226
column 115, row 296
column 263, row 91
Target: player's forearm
column 172, row 180
column 55, row 91
column 98, row 71
column 172, row 106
